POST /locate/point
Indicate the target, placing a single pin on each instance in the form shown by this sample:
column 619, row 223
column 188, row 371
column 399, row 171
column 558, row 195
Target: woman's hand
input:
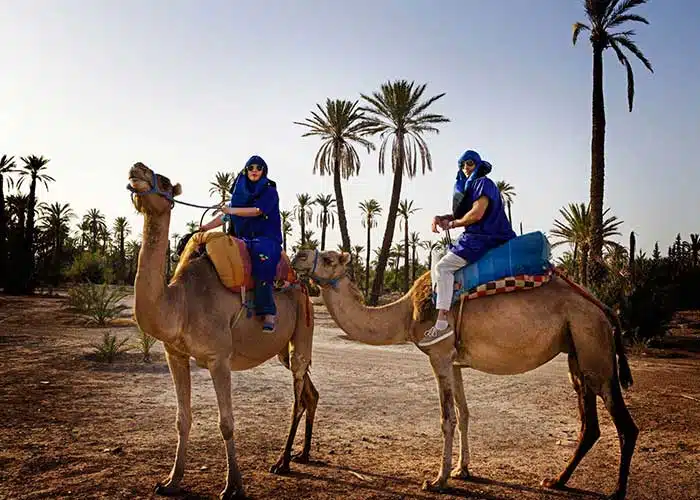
column 225, row 209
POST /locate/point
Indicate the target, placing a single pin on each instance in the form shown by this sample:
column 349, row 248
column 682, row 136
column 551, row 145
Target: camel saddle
column 231, row 260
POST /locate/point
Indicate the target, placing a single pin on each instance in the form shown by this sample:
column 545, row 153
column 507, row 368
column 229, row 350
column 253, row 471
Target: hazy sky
column 195, row 87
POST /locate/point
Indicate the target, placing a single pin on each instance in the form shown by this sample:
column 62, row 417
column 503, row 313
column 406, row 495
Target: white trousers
column 443, row 278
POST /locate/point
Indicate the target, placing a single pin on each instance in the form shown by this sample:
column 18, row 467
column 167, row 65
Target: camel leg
column 627, row 432
column 462, row 469
column 180, row 373
column 310, row 402
column 299, row 366
column 441, row 362
column 220, row 371
column 590, row 428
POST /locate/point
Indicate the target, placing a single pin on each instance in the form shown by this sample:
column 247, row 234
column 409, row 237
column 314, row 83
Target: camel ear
column 177, row 189
column 345, row 258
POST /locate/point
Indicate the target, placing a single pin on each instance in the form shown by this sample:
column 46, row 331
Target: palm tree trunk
column 413, row 264
column 302, row 223
column 597, row 168
column 367, row 260
column 284, row 241
column 324, row 224
column 340, row 203
column 28, row 260
column 510, row 219
column 585, row 253
column 577, row 267
column 390, row 224
column 3, row 235
column 405, row 256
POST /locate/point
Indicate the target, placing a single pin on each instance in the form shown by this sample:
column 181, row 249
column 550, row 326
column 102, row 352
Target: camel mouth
column 138, row 184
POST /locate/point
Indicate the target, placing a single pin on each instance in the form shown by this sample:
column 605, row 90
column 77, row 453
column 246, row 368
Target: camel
column 503, row 334
column 196, row 316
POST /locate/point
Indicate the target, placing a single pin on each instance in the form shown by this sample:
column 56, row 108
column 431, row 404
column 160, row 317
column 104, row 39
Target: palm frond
column 577, row 28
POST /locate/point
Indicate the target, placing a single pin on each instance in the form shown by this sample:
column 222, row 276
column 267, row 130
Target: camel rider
column 255, row 216
column 478, row 208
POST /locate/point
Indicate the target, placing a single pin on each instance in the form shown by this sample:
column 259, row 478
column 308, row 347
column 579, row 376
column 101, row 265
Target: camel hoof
column 233, row 494
column 301, row 458
column 166, row 491
column 554, row 484
column 461, row 473
column 436, row 486
column 280, row 467
column 618, row 495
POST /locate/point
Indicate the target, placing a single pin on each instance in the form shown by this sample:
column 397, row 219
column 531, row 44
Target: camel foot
column 233, row 494
column 437, row 486
column 618, row 495
column 166, row 490
column 301, row 458
column 460, row 473
column 281, row 467
column 551, row 483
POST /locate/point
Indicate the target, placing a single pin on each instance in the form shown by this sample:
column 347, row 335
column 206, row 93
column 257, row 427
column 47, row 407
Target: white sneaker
column 435, row 335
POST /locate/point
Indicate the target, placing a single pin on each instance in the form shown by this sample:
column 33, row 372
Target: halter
column 155, row 190
column 319, row 280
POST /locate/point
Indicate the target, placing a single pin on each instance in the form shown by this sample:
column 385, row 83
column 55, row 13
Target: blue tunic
column 491, row 231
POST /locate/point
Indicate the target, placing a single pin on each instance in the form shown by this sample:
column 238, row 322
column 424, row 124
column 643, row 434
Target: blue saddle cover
column 526, row 254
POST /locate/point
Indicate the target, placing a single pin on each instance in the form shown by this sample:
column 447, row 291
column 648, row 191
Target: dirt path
column 72, row 427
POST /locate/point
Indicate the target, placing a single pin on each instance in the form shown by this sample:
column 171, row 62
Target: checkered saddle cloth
column 503, row 285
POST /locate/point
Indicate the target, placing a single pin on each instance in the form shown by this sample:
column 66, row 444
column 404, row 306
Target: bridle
column 333, row 282
column 156, row 190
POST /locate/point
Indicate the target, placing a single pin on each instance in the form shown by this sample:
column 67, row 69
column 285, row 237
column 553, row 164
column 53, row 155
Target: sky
column 192, row 87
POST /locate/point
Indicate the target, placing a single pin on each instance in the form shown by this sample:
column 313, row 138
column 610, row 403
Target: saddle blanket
column 231, row 260
column 505, row 285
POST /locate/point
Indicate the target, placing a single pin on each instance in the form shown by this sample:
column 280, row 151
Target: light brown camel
column 195, row 316
column 504, row 334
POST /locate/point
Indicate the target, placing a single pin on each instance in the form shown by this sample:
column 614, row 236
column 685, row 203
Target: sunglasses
column 252, row 167
column 468, row 163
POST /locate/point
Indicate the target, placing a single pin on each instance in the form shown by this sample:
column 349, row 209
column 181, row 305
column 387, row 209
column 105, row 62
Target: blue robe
column 262, row 234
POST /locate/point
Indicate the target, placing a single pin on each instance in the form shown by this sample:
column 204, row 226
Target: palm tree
column 133, row 247
column 17, row 207
column 405, row 211
column 357, row 264
column 693, row 248
column 303, row 213
column 398, row 111
column 192, row 226
column 7, row 166
column 121, row 231
column 287, row 218
column 326, row 217
column 55, row 220
column 370, row 212
column 340, row 125
column 221, row 186
column 415, row 242
column 430, row 246
column 95, row 225
column 604, row 16
column 575, row 230
column 507, row 195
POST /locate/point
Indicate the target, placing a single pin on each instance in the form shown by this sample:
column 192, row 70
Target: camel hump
column 231, row 260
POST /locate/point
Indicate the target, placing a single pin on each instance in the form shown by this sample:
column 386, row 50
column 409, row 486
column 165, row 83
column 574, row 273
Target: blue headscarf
column 244, row 190
column 462, row 183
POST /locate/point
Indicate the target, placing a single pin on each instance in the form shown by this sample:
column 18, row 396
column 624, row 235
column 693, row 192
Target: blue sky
column 195, row 87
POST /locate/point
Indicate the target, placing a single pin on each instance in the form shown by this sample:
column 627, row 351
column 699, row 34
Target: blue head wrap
column 462, row 183
column 244, row 190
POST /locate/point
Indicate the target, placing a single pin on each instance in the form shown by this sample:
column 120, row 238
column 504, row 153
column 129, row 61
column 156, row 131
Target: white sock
column 441, row 324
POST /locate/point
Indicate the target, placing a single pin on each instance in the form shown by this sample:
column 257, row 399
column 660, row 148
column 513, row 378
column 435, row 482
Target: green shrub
column 99, row 303
column 110, row 348
column 92, row 267
column 144, row 344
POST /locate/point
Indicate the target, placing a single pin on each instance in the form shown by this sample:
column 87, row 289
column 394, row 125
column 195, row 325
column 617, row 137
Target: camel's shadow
column 516, row 490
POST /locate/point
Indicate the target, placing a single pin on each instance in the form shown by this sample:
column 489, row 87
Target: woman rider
column 254, row 214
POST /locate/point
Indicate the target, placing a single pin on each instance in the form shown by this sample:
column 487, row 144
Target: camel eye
column 328, row 261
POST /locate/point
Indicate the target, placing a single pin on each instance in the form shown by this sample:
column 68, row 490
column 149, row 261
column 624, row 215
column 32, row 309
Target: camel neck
column 151, row 303
column 384, row 325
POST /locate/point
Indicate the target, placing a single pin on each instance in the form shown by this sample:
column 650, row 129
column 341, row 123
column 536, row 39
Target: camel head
column 153, row 193
column 322, row 267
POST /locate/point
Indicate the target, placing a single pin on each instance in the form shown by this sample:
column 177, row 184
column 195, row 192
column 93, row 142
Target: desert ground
column 75, row 427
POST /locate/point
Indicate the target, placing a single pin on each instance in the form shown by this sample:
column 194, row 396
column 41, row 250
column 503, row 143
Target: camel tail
column 623, row 367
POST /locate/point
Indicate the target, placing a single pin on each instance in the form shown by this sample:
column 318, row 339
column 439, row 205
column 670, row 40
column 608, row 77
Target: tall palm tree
column 575, row 230
column 405, row 211
column 398, row 112
column 357, row 264
column 17, row 206
column 221, row 187
column 340, row 125
column 94, row 223
column 693, row 248
column 371, row 210
column 326, row 217
column 192, row 226
column 605, row 16
column 430, row 247
column 121, row 231
column 415, row 242
column 507, row 195
column 7, row 166
column 287, row 218
column 304, row 214
column 55, row 221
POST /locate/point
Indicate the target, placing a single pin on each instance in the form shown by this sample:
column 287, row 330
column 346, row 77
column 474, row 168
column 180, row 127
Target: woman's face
column 255, row 171
column 468, row 167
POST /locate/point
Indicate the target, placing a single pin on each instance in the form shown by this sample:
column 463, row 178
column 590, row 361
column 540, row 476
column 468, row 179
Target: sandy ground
column 73, row 427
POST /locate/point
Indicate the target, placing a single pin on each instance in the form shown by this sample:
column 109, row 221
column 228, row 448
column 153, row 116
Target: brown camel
column 195, row 316
column 503, row 334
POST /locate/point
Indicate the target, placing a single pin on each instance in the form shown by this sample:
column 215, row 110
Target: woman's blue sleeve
column 268, row 202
